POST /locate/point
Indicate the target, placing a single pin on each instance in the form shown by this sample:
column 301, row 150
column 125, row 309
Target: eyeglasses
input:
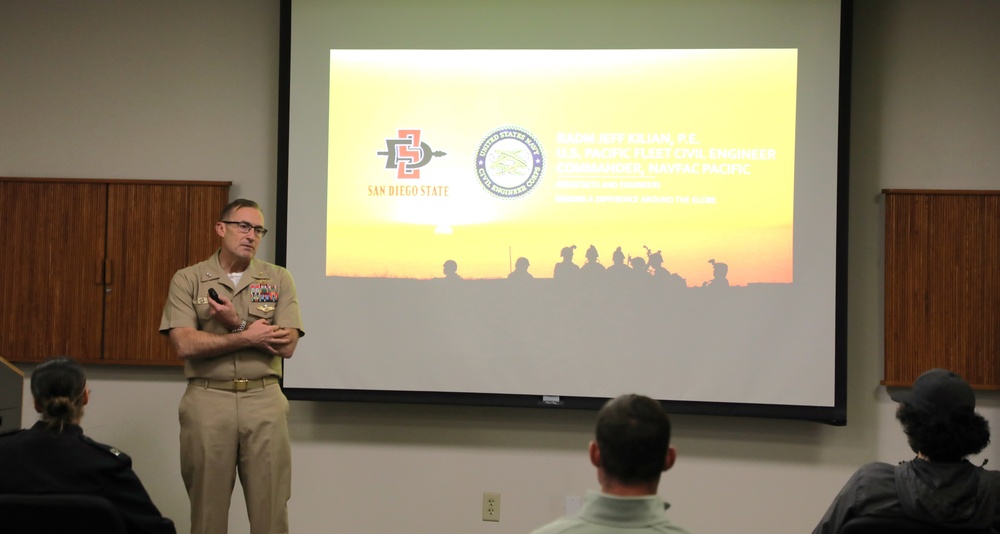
column 245, row 227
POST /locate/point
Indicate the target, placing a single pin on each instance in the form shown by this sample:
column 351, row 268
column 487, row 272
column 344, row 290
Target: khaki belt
column 240, row 384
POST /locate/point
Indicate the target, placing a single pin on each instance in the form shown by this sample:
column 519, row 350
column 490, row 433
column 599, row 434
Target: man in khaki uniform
column 233, row 414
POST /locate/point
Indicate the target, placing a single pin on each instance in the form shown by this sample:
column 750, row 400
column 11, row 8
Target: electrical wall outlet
column 491, row 507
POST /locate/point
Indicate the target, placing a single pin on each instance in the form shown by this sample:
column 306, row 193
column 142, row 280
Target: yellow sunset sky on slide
column 688, row 152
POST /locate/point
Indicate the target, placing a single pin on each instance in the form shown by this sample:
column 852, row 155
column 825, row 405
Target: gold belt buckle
column 241, row 384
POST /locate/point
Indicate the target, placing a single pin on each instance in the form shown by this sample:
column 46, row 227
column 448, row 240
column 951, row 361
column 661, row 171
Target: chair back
column 59, row 514
column 872, row 524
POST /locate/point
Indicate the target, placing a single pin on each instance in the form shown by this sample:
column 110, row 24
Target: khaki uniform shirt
column 266, row 291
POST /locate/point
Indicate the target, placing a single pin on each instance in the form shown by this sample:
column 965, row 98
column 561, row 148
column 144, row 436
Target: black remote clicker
column 214, row 295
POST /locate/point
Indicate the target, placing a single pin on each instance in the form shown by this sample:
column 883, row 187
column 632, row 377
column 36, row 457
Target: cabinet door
column 942, row 285
column 153, row 230
column 51, row 260
column 205, row 204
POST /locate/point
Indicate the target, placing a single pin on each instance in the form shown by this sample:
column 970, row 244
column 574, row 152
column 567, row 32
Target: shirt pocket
column 200, row 301
column 202, row 309
column 260, row 310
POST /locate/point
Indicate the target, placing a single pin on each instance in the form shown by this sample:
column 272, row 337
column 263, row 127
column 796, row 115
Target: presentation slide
column 458, row 168
column 541, row 222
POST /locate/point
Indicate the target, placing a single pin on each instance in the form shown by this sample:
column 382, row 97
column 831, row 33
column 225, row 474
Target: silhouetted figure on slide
column 619, row 269
column 450, row 269
column 566, row 268
column 639, row 268
column 593, row 266
column 520, row 271
column 660, row 273
column 719, row 271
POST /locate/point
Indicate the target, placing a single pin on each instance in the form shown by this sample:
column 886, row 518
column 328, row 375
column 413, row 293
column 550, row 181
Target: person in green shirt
column 631, row 450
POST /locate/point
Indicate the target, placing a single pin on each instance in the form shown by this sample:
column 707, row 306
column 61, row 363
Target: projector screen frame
column 833, row 415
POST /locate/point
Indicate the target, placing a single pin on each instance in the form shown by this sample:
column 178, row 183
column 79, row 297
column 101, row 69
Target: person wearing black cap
column 939, row 486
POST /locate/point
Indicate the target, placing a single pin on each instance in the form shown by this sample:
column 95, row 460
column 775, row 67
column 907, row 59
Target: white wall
column 187, row 89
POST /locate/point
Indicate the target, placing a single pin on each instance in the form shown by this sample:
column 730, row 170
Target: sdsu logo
column 407, row 154
column 509, row 162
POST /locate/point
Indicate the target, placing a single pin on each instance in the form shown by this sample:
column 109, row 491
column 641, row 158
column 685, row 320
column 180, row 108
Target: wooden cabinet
column 86, row 264
column 942, row 285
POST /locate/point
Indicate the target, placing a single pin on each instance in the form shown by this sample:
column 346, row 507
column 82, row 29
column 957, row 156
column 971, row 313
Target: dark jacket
column 950, row 494
column 37, row 461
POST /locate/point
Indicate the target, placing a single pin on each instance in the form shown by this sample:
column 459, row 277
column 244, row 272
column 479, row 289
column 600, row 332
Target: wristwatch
column 241, row 327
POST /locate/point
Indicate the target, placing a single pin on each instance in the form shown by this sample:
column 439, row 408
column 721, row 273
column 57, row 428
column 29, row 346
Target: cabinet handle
column 107, row 271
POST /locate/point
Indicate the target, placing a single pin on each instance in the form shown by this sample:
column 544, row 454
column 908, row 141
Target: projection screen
column 552, row 203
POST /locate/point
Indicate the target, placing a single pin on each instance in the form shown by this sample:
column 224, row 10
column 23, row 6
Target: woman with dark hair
column 948, row 439
column 54, row 456
column 938, row 487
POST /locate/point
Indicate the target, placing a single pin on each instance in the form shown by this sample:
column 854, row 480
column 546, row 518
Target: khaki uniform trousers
column 228, row 432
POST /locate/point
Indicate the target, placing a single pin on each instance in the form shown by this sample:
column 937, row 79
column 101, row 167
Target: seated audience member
column 54, row 456
column 631, row 450
column 939, row 486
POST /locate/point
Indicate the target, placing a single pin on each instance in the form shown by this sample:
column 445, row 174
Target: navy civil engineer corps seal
column 509, row 162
